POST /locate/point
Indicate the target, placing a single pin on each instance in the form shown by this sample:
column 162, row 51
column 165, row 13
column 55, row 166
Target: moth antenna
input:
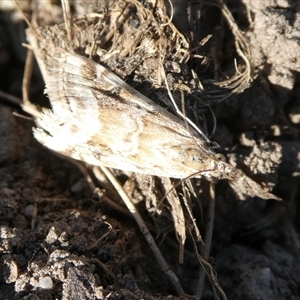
column 32, row 25
column 186, row 119
column 68, row 18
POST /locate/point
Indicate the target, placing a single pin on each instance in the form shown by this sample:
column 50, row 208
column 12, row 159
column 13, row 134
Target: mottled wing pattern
column 96, row 117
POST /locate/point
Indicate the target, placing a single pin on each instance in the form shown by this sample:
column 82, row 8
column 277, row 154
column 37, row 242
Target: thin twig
column 68, row 18
column 173, row 278
column 208, row 238
column 207, row 268
column 10, row 98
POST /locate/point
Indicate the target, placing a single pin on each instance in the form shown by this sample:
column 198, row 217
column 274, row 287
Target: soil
column 60, row 240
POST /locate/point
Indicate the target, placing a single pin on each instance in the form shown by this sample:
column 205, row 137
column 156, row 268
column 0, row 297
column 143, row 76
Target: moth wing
column 96, row 117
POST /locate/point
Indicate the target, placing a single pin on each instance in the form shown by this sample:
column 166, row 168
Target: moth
column 98, row 118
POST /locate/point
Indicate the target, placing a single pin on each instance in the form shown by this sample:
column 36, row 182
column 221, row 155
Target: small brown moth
column 99, row 119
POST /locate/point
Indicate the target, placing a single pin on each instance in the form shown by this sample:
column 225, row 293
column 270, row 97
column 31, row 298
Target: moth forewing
column 98, row 118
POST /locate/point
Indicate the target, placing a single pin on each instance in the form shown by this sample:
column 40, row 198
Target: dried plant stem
column 240, row 80
column 26, row 104
column 10, row 98
column 207, row 239
column 173, row 278
column 68, row 18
